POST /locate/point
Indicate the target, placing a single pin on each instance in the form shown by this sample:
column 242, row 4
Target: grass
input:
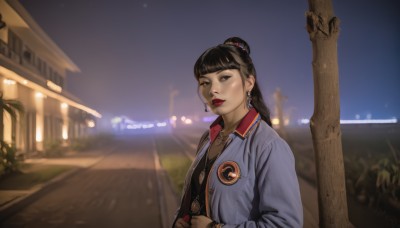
column 364, row 147
column 176, row 167
column 172, row 161
column 31, row 175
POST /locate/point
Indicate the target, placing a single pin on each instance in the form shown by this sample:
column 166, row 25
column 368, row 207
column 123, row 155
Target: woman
column 243, row 174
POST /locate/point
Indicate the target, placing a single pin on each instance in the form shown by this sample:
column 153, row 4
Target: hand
column 200, row 221
column 181, row 223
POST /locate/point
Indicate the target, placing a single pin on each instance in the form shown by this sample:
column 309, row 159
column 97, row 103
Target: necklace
column 219, row 141
column 221, row 138
column 219, row 145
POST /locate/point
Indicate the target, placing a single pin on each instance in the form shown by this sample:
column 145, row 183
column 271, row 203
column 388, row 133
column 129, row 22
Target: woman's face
column 224, row 92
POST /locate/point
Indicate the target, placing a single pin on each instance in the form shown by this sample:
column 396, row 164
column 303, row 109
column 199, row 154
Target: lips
column 217, row 102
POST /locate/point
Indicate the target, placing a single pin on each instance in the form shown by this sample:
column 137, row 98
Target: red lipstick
column 217, row 102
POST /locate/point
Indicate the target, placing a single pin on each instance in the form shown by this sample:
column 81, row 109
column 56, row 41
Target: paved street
column 119, row 191
column 126, row 187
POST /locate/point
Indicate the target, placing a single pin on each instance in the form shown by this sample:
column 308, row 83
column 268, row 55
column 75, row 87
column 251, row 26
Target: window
column 14, row 42
column 28, row 55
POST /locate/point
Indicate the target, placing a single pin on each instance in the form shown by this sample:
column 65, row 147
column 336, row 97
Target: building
column 33, row 70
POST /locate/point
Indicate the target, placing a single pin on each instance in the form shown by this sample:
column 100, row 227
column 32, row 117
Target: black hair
column 234, row 53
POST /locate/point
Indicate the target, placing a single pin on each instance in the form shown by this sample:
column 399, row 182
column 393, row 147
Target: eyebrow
column 217, row 72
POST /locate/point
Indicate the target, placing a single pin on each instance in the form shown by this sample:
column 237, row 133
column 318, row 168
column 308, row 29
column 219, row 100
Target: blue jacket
column 264, row 190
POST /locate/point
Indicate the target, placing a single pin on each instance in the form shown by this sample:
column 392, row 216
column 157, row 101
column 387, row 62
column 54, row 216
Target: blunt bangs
column 215, row 59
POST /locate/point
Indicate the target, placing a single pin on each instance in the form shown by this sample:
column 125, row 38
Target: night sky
column 133, row 53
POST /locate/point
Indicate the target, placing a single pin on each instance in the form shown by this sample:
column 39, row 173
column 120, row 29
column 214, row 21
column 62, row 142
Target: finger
column 185, row 224
column 180, row 223
column 195, row 221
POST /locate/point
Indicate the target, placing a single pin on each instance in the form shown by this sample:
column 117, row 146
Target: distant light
column 145, row 126
column 162, row 124
column 275, row 121
column 183, row 118
column 133, row 126
column 188, row 121
column 116, row 120
column 91, row 123
column 207, row 119
column 304, row 121
column 367, row 121
column 174, row 118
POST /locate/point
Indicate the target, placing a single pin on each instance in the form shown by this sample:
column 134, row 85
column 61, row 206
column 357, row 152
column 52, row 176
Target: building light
column 39, row 95
column 54, row 86
column 47, row 92
column 65, row 132
column 9, row 82
column 91, row 123
column 39, row 136
column 64, row 105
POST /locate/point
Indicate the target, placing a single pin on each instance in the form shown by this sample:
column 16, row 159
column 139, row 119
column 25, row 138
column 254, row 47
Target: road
column 122, row 190
column 119, row 191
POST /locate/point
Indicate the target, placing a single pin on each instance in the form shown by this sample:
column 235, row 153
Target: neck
column 232, row 120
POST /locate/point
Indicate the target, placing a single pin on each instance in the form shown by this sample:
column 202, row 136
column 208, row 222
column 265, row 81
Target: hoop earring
column 249, row 105
column 205, row 107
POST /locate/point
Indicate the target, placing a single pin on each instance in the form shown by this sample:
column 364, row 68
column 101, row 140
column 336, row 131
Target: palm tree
column 11, row 107
column 9, row 163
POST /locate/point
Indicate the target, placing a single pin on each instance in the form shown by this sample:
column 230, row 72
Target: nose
column 214, row 89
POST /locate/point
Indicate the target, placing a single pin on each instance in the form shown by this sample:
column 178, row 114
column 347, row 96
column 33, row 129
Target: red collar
column 248, row 120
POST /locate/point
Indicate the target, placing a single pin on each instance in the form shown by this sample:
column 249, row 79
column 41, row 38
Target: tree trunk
column 323, row 28
column 14, row 131
column 1, row 119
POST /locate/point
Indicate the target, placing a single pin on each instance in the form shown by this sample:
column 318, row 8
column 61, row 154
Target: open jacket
column 263, row 190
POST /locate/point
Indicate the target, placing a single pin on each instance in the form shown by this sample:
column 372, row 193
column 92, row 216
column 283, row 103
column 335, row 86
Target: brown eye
column 224, row 78
column 203, row 83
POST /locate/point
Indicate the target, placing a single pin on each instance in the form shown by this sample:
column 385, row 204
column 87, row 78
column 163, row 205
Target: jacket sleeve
column 280, row 202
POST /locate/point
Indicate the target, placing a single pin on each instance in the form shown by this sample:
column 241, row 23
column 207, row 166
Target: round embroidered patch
column 229, row 172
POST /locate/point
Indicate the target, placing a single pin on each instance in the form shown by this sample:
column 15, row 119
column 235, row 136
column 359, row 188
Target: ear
column 249, row 83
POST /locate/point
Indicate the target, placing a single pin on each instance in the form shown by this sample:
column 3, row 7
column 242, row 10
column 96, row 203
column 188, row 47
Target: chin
column 219, row 111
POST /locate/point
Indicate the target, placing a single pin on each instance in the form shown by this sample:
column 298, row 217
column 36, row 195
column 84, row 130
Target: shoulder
column 268, row 142
column 264, row 134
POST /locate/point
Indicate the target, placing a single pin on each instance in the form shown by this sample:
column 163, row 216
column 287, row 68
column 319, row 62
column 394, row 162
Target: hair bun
column 238, row 42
